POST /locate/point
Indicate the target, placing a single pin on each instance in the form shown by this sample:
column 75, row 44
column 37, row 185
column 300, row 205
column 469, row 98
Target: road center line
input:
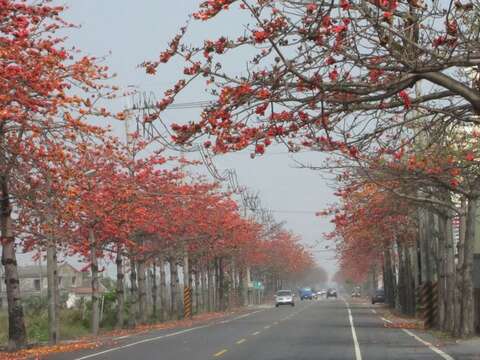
column 220, row 353
column 358, row 354
column 126, row 346
column 141, row 342
column 122, row 337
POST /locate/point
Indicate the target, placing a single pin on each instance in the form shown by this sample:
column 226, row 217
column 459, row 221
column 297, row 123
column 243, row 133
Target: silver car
column 284, row 297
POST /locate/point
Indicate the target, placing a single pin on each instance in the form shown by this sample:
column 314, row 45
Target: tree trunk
column 174, row 309
column 450, row 303
column 163, row 290
column 16, row 324
column 233, row 285
column 133, row 314
column 95, row 285
column 196, row 286
column 120, row 290
column 425, row 234
column 467, row 328
column 241, row 286
column 221, row 284
column 401, row 288
column 53, row 293
column 186, row 277
column 459, row 270
column 142, row 292
column 441, row 267
column 409, row 281
column 389, row 282
column 210, row 289
column 202, row 283
column 154, row 289
column 178, row 291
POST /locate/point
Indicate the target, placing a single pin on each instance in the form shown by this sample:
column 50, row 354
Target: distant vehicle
column 284, row 297
column 306, row 293
column 379, row 296
column 331, row 293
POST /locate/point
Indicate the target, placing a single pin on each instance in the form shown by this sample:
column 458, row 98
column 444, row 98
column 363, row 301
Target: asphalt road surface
column 325, row 329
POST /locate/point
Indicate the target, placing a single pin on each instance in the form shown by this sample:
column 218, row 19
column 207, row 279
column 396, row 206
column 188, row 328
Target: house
column 33, row 281
column 80, row 294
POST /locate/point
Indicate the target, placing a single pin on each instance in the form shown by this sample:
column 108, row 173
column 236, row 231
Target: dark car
column 306, row 294
column 378, row 297
column 331, row 293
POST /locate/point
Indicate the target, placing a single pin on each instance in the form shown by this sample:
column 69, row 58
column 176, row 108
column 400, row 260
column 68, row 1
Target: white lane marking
column 386, row 320
column 267, row 327
column 430, row 346
column 426, row 343
column 373, row 311
column 239, row 317
column 220, row 353
column 358, row 354
column 141, row 342
column 256, row 333
column 122, row 337
column 245, row 315
column 158, row 338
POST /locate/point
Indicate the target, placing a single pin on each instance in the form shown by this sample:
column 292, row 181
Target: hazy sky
column 134, row 31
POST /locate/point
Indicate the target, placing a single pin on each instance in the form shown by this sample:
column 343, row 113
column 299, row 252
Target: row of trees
column 70, row 188
column 391, row 90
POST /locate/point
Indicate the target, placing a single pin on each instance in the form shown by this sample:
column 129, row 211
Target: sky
column 129, row 32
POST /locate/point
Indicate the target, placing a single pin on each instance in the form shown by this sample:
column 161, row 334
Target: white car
column 284, row 297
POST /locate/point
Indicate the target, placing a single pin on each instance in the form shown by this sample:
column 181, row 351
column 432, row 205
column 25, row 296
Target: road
column 326, row 329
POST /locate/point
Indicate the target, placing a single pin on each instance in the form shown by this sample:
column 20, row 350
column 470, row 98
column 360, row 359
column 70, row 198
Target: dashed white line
column 162, row 337
column 220, row 353
column 256, row 333
column 239, row 317
column 141, row 342
column 122, row 337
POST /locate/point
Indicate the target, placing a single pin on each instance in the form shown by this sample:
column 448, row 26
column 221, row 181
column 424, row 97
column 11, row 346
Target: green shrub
column 37, row 327
column 3, row 327
column 72, row 325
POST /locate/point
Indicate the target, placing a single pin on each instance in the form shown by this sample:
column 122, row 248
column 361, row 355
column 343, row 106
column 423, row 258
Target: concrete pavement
column 324, row 329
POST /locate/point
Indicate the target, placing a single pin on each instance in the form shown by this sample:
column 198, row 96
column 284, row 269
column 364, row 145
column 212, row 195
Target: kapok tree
column 437, row 174
column 372, row 226
column 330, row 75
column 37, row 105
